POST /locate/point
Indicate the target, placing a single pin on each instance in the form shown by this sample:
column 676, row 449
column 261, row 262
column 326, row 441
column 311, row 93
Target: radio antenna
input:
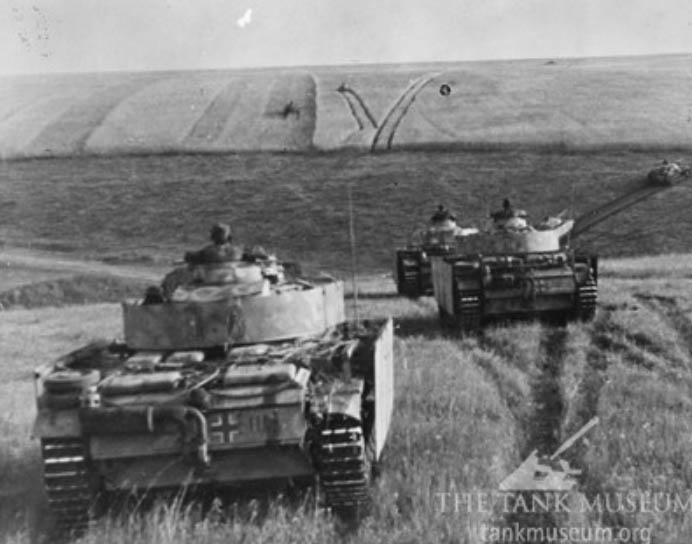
column 352, row 241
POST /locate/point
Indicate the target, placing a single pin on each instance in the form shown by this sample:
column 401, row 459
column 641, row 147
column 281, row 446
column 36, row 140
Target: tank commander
column 505, row 213
column 509, row 218
column 441, row 215
column 220, row 250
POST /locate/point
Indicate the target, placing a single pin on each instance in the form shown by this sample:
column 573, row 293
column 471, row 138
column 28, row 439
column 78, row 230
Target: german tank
column 236, row 375
column 668, row 173
column 516, row 269
column 412, row 272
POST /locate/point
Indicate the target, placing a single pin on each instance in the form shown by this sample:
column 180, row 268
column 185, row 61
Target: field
column 102, row 203
column 468, row 410
column 151, row 209
column 639, row 102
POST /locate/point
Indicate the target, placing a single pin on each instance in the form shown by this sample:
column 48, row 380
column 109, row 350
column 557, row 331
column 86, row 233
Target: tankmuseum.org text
column 516, row 533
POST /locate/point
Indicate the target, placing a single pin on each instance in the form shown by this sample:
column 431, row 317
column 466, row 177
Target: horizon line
column 352, row 64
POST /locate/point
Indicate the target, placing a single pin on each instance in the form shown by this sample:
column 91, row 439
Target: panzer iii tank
column 520, row 270
column 239, row 376
column 412, row 271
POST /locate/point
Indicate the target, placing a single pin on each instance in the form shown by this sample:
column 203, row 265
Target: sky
column 104, row 35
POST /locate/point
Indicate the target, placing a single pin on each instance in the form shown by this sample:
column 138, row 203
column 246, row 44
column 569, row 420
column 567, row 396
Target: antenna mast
column 352, row 241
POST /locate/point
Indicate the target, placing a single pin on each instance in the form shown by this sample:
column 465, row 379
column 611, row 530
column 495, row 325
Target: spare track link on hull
column 587, row 297
column 343, row 466
column 67, row 483
column 469, row 311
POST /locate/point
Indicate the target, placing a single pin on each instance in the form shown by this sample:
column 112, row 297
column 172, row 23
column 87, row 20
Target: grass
column 575, row 104
column 467, row 411
column 447, row 402
column 81, row 289
column 157, row 207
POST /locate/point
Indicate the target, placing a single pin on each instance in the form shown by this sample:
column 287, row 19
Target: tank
column 668, row 173
column 516, row 269
column 236, row 375
column 412, row 271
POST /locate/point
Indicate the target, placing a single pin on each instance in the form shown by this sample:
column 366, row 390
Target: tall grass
column 467, row 409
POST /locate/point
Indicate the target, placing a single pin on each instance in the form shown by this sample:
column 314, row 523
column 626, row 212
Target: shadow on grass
column 428, row 326
column 372, row 296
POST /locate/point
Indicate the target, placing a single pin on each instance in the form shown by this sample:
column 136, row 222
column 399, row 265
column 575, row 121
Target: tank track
column 587, row 296
column 67, row 483
column 343, row 466
column 469, row 311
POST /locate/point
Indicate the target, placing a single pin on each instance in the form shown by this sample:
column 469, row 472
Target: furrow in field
column 68, row 133
column 210, row 125
column 158, row 117
column 20, row 129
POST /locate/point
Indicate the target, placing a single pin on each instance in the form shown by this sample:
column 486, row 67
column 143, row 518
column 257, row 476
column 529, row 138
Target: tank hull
column 471, row 289
column 238, row 416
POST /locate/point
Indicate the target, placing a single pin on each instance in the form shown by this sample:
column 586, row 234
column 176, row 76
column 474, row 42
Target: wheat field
column 468, row 409
column 619, row 103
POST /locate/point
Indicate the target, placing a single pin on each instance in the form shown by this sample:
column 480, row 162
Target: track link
column 343, row 466
column 469, row 311
column 67, row 483
column 587, row 297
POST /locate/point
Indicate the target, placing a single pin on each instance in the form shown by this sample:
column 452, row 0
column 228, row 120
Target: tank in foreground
column 240, row 376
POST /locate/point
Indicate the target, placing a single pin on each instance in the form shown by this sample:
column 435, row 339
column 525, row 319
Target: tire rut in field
column 639, row 349
column 543, row 427
column 357, row 106
column 670, row 310
column 392, row 119
column 587, row 399
column 512, row 395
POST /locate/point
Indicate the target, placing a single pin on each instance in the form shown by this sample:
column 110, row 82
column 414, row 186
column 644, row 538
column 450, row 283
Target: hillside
column 152, row 209
column 638, row 102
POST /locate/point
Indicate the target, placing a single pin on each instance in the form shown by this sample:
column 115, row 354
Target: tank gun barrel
column 590, row 219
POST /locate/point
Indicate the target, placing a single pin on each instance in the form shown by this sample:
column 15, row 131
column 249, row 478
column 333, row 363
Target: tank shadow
column 428, row 326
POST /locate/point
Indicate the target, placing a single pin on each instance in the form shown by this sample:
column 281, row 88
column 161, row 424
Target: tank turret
column 228, row 303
